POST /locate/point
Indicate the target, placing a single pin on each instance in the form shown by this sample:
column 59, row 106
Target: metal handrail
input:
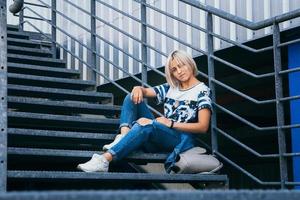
column 237, row 20
column 254, row 126
column 253, row 100
column 101, row 56
column 119, row 30
column 88, row 65
column 241, row 21
column 103, row 39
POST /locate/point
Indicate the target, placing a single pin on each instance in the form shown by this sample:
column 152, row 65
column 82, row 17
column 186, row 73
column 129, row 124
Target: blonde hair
column 182, row 58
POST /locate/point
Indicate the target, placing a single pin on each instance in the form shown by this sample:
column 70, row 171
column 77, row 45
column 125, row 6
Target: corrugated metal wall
column 253, row 10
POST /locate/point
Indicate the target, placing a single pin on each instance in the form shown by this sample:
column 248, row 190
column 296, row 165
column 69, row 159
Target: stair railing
column 213, row 82
column 3, row 96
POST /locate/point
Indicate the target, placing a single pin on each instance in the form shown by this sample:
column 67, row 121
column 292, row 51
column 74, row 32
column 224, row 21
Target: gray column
column 3, row 96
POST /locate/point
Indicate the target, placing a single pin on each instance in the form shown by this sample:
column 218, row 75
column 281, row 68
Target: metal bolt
column 2, row 67
column 2, row 161
column 2, row 98
column 2, row 129
column 2, row 37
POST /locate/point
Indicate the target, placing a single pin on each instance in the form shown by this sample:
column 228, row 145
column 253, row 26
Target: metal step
column 27, row 43
column 61, row 94
column 50, row 82
column 49, row 106
column 82, row 155
column 28, row 51
column 11, row 27
column 60, row 134
column 60, row 122
column 139, row 177
column 33, row 60
column 19, row 68
column 17, row 34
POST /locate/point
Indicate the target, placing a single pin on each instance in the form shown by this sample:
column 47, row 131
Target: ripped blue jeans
column 154, row 137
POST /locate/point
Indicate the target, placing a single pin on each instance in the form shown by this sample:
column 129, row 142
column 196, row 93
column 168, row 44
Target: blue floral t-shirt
column 183, row 105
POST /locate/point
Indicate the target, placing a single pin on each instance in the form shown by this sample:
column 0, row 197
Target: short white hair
column 182, row 58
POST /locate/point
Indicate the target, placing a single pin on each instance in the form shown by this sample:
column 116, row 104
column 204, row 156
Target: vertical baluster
column 53, row 27
column 21, row 20
column 279, row 105
column 144, row 39
column 211, row 75
column 93, row 39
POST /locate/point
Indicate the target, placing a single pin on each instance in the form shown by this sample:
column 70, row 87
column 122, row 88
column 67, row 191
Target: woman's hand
column 164, row 121
column 137, row 94
column 144, row 121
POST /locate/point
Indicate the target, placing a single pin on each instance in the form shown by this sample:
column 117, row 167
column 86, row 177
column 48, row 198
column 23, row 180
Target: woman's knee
column 127, row 99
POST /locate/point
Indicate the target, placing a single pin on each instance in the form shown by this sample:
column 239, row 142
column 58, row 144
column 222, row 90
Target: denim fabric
column 131, row 112
column 154, row 137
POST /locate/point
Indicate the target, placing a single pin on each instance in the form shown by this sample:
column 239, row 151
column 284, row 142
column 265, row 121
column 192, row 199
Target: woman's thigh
column 163, row 139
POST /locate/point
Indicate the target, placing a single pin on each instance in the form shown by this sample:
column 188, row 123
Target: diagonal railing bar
column 106, row 41
column 88, row 65
column 241, row 69
column 99, row 55
column 268, row 128
column 257, row 180
column 296, row 69
column 245, row 146
column 253, row 100
column 241, row 21
column 153, row 28
column 118, row 29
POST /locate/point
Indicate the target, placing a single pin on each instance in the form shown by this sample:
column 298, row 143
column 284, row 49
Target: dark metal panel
column 3, row 96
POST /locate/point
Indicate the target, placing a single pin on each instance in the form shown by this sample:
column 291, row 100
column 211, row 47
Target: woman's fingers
column 137, row 95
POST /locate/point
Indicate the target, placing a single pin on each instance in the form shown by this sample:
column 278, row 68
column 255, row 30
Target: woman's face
column 181, row 72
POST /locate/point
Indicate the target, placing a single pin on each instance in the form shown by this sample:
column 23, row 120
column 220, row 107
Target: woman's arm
column 198, row 127
column 139, row 92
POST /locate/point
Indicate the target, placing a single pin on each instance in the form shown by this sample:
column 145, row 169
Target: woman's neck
column 188, row 84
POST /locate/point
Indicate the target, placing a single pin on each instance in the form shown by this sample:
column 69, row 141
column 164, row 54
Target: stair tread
column 61, row 134
column 59, row 61
column 28, row 41
column 61, row 117
column 66, row 104
column 58, row 90
column 50, row 79
column 12, row 47
column 43, row 68
column 154, row 157
column 161, row 177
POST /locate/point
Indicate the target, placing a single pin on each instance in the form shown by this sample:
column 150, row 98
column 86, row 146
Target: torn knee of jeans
column 150, row 123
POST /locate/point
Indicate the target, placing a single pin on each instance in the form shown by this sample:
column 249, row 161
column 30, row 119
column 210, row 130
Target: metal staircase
column 56, row 120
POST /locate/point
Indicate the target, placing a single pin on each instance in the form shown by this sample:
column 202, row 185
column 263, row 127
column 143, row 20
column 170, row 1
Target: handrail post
column 53, row 27
column 93, row 39
column 211, row 76
column 3, row 96
column 144, row 40
column 21, row 20
column 279, row 105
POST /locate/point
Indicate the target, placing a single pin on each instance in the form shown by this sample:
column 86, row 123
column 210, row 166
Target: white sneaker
column 118, row 138
column 97, row 163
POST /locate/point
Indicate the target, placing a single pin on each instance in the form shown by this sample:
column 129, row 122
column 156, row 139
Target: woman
column 187, row 111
